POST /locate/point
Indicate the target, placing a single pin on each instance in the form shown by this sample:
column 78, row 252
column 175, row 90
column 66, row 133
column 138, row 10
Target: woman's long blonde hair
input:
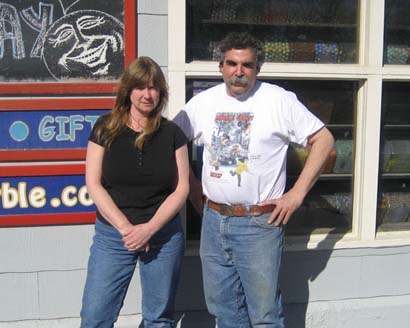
column 140, row 72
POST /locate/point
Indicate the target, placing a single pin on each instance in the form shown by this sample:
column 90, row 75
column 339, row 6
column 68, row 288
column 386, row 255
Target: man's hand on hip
column 285, row 206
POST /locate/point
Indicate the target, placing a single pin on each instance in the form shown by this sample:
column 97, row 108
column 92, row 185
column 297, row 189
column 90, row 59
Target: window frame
column 370, row 73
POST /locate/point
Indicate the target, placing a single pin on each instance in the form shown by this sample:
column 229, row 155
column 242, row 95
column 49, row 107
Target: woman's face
column 144, row 99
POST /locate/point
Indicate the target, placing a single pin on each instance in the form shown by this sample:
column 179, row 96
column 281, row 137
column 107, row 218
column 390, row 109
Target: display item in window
column 224, row 10
column 395, row 207
column 397, row 54
column 302, row 52
column 347, row 52
column 399, row 161
column 344, row 156
column 326, row 53
column 277, row 51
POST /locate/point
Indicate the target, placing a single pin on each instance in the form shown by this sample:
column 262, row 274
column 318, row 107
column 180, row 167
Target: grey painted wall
column 43, row 269
column 153, row 30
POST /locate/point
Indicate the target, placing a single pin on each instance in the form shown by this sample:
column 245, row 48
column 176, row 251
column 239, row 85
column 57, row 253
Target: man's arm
column 196, row 196
column 320, row 145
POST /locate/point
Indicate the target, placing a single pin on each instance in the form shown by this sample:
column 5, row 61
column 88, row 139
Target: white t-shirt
column 246, row 141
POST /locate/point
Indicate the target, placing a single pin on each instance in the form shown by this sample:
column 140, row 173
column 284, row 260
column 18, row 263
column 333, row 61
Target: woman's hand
column 137, row 237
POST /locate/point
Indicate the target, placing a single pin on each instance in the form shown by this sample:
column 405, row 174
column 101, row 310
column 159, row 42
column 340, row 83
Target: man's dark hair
column 242, row 40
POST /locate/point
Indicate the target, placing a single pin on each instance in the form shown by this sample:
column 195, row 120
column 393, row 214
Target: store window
column 396, row 36
column 328, row 207
column 394, row 184
column 296, row 31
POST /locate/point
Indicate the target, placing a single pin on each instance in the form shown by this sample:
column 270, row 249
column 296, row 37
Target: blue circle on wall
column 19, row 131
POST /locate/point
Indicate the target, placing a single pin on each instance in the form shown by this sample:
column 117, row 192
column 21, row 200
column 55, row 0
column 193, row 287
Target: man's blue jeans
column 110, row 269
column 241, row 258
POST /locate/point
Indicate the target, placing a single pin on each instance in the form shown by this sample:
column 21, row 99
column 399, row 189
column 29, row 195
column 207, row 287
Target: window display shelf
column 334, row 176
column 395, row 175
column 307, row 24
column 327, row 176
column 397, row 126
column 398, row 27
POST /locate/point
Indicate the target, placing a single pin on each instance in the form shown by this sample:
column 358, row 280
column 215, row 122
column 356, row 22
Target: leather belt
column 240, row 210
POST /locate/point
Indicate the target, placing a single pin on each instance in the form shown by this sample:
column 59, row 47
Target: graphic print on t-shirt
column 230, row 145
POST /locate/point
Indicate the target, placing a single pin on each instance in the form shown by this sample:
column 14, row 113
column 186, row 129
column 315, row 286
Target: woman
column 137, row 174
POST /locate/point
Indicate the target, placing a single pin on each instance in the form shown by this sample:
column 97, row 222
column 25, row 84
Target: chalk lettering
column 75, row 126
column 40, row 23
column 63, row 128
column 62, row 121
column 46, row 133
column 10, row 29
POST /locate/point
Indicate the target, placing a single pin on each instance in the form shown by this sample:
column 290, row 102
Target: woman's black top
column 139, row 181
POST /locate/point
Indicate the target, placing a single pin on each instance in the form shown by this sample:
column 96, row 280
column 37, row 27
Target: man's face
column 239, row 71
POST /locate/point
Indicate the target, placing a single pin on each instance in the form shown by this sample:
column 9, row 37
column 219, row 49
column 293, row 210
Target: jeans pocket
column 262, row 221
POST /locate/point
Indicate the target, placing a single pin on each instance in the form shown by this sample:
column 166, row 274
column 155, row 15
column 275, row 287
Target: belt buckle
column 255, row 210
column 228, row 210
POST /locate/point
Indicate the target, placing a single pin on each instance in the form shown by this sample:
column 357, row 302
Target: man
column 242, row 228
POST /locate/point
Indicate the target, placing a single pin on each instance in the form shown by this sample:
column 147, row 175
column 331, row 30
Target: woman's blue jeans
column 110, row 269
column 241, row 258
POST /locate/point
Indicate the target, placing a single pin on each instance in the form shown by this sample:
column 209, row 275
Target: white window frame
column 369, row 71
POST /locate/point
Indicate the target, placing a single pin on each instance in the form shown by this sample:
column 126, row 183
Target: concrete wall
column 42, row 269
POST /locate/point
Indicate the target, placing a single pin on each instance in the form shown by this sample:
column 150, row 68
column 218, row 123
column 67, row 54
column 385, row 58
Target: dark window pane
column 397, row 36
column 394, row 183
column 300, row 31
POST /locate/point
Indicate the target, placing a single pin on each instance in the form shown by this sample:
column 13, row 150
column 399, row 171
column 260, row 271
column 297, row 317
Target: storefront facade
column 347, row 254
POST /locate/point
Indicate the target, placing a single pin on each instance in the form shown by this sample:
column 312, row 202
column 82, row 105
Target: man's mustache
column 242, row 81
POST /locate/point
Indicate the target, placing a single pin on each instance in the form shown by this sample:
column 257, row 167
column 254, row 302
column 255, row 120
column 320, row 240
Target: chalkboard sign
column 64, row 40
column 44, row 195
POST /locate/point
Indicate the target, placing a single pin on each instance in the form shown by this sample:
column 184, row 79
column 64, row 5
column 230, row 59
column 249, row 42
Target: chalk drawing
column 84, row 44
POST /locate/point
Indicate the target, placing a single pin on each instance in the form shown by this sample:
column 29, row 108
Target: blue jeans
column 241, row 258
column 110, row 269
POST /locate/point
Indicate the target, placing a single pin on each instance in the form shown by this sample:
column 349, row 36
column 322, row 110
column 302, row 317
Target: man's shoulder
column 274, row 89
column 270, row 87
column 210, row 92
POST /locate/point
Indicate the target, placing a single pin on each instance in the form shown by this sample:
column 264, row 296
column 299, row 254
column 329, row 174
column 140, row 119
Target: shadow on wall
column 299, row 269
column 190, row 300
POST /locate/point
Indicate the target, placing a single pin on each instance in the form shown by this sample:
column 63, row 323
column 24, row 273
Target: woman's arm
column 138, row 236
column 101, row 198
